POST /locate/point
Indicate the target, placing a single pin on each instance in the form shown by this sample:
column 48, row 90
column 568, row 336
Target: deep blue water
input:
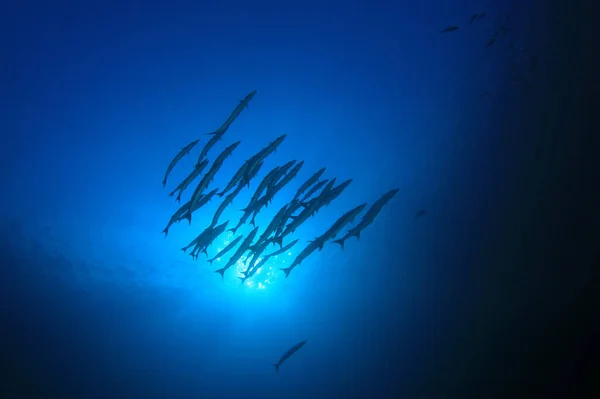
column 97, row 303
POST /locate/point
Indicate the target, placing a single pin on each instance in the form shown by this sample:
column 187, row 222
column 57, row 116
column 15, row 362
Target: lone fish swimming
column 289, row 353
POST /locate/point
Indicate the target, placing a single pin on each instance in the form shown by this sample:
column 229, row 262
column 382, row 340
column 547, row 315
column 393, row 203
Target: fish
column 449, row 29
column 218, row 134
column 251, row 173
column 309, row 249
column 198, row 169
column 328, row 187
column 237, row 177
column 264, row 183
column 183, row 152
column 314, row 189
column 338, row 225
column 265, row 152
column 309, row 182
column 420, row 213
column 368, row 218
column 256, row 253
column 249, row 210
column 293, row 206
column 282, row 171
column 202, row 246
column 251, row 271
column 334, row 192
column 273, row 224
column 502, row 31
column 473, row 18
column 323, row 198
column 177, row 217
column 238, row 253
column 203, row 200
column 227, row 152
column 271, row 191
column 208, row 177
column 289, row 353
column 228, row 248
column 234, row 114
column 228, row 200
column 242, row 176
column 256, row 207
column 296, row 222
column 207, row 147
column 203, row 237
column 286, row 248
column 181, row 213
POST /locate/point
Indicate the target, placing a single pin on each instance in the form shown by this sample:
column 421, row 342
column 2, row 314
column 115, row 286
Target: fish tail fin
column 287, row 271
column 340, row 241
column 233, row 230
column 276, row 367
column 221, row 194
column 212, row 133
column 205, row 252
column 166, row 231
column 172, row 193
column 210, row 261
column 188, row 216
column 221, row 272
column 279, row 241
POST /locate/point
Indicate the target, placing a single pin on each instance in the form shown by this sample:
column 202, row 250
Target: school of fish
column 312, row 195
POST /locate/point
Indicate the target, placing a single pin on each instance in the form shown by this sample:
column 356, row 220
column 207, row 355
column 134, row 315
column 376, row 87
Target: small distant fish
column 476, row 17
column 289, row 353
column 490, row 42
column 502, row 30
column 420, row 213
column 449, row 29
column 485, row 93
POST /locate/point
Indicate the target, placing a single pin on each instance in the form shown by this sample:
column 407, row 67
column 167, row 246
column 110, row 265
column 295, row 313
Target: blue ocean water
column 98, row 303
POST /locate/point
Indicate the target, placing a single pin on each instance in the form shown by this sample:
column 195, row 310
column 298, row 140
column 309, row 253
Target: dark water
column 488, row 293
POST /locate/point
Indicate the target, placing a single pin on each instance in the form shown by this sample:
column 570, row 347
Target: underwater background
column 474, row 110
